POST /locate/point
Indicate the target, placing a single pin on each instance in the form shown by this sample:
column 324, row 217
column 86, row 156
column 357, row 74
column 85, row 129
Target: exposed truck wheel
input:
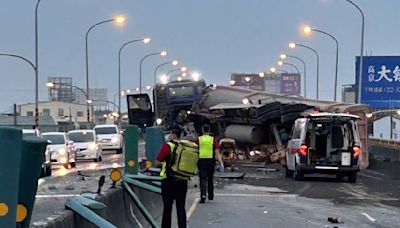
column 48, row 171
column 288, row 172
column 352, row 177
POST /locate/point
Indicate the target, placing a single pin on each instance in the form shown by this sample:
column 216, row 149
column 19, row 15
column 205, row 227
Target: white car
column 87, row 147
column 109, row 137
column 62, row 150
column 46, row 166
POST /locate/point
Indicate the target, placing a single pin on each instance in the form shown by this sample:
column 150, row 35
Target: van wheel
column 339, row 176
column 352, row 177
column 288, row 172
column 73, row 164
column 298, row 175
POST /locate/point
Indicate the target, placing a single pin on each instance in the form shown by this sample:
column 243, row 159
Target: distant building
column 381, row 128
column 60, row 111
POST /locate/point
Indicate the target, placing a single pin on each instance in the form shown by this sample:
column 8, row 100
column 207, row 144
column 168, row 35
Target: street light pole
column 36, row 66
column 293, row 45
column 292, row 65
column 362, row 51
column 162, row 53
column 87, row 63
column 145, row 40
column 309, row 29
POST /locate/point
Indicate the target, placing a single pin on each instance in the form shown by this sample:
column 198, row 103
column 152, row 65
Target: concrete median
column 121, row 211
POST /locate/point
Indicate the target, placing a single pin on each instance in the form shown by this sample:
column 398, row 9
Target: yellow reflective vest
column 206, row 147
column 163, row 173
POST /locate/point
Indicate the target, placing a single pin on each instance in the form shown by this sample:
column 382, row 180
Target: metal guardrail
column 385, row 142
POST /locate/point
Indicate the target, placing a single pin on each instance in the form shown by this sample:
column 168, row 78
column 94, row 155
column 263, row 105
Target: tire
column 297, row 174
column 48, row 171
column 352, row 177
column 73, row 164
column 339, row 176
column 288, row 172
column 100, row 159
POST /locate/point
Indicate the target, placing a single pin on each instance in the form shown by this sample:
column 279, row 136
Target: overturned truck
column 256, row 120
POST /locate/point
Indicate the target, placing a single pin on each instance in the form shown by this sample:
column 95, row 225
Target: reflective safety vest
column 206, row 147
column 163, row 173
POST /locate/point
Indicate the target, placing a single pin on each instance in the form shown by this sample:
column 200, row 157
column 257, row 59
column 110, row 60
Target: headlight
column 62, row 151
column 92, row 146
column 114, row 139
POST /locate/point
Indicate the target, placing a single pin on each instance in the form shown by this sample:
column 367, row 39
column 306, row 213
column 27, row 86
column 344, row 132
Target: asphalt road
column 53, row 191
column 271, row 200
column 261, row 199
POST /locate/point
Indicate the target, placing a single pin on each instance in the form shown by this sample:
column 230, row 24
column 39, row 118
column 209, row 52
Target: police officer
column 208, row 149
column 173, row 187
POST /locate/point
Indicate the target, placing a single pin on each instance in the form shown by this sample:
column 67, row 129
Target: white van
column 326, row 143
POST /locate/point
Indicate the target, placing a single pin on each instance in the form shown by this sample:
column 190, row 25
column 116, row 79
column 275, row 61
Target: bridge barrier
column 385, row 150
column 20, row 161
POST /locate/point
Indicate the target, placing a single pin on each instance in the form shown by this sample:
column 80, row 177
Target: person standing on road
column 173, row 187
column 208, row 150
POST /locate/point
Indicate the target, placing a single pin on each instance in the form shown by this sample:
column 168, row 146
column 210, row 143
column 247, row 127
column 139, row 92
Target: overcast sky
column 215, row 37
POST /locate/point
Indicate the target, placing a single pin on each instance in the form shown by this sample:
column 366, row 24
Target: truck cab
column 327, row 143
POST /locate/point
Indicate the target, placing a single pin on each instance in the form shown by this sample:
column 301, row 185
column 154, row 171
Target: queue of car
column 67, row 148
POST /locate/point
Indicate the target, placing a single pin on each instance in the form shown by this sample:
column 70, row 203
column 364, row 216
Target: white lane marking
column 369, row 176
column 192, row 208
column 368, row 217
column 57, row 196
column 133, row 215
column 255, row 195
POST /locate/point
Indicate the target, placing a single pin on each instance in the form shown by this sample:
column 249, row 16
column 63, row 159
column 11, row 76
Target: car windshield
column 55, row 139
column 81, row 136
column 105, row 130
column 181, row 91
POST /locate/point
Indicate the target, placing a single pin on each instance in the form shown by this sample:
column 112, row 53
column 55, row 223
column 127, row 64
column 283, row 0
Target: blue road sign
column 380, row 81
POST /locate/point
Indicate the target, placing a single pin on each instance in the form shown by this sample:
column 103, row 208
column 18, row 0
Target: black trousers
column 174, row 190
column 206, row 173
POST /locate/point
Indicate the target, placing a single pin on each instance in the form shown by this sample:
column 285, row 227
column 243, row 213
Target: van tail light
column 356, row 151
column 303, row 150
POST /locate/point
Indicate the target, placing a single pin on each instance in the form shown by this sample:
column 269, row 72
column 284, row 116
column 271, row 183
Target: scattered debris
column 335, row 220
column 52, row 187
column 69, row 188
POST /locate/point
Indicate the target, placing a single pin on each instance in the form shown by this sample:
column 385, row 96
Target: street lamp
column 307, row 30
column 145, row 41
column 173, row 63
column 36, row 85
column 162, row 53
column 284, row 56
column 362, row 50
column 272, row 69
column 119, row 20
column 280, row 63
column 294, row 45
column 182, row 69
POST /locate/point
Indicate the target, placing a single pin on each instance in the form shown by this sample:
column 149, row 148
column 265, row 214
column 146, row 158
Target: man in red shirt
column 208, row 151
column 172, row 187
